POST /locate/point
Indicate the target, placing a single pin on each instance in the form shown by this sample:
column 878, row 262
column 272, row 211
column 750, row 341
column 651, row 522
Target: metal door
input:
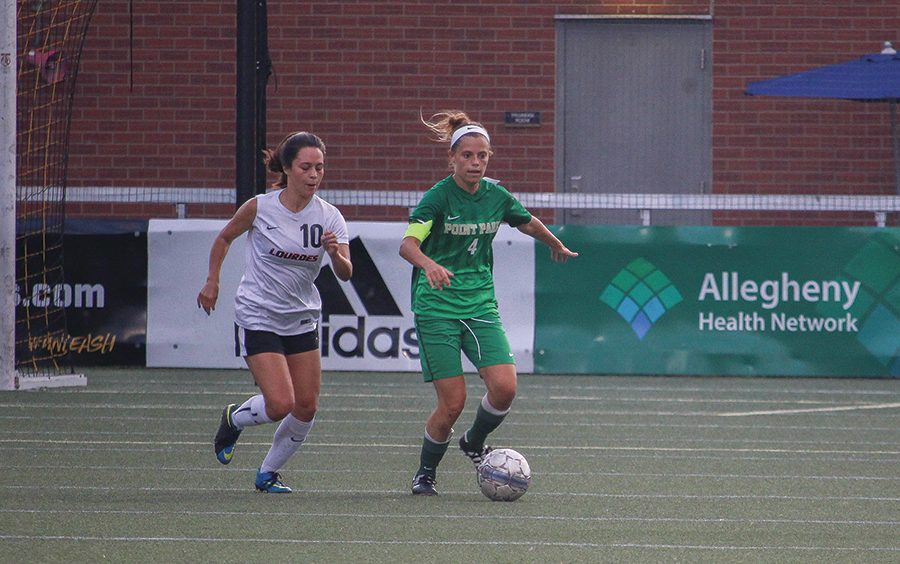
column 633, row 112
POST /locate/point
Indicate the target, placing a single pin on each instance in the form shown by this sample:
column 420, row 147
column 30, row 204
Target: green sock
column 485, row 422
column 431, row 456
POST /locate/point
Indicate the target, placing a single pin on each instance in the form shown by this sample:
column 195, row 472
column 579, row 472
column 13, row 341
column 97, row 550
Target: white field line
column 310, row 470
column 462, row 517
column 325, row 436
column 812, row 410
column 357, row 409
column 602, row 457
column 383, row 446
column 613, row 399
column 520, row 399
column 404, row 492
column 276, row 541
column 527, row 385
column 323, row 419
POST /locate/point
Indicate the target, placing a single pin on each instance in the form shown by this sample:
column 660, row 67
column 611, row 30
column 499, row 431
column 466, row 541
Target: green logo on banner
column 877, row 267
column 641, row 294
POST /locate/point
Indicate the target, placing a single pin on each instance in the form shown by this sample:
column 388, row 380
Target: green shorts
column 481, row 339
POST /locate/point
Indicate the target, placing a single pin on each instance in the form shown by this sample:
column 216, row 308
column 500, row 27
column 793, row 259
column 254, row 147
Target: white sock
column 489, row 407
column 251, row 412
column 432, row 439
column 290, row 434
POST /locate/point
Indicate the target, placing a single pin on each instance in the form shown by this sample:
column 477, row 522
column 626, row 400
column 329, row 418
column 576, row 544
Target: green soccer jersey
column 463, row 228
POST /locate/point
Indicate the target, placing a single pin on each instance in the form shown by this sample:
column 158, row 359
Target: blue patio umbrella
column 872, row 78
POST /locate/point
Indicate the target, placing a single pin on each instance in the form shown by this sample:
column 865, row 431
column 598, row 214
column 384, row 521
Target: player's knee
column 305, row 408
column 502, row 396
column 454, row 408
column 278, row 408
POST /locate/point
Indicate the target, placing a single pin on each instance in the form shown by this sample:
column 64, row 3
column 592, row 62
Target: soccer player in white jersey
column 289, row 231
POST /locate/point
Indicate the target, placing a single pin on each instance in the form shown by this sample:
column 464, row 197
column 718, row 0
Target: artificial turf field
column 626, row 469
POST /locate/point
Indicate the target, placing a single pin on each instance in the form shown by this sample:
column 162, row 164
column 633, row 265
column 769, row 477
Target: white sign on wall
column 366, row 323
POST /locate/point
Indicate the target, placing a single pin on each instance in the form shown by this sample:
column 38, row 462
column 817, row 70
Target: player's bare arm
column 340, row 256
column 536, row 228
column 437, row 275
column 237, row 226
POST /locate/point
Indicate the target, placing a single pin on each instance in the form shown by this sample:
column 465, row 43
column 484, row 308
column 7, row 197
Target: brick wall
column 155, row 106
column 788, row 145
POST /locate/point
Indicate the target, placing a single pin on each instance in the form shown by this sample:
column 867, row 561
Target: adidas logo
column 359, row 338
column 641, row 294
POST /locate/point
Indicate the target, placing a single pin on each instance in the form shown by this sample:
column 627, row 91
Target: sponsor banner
column 731, row 300
column 104, row 294
column 365, row 324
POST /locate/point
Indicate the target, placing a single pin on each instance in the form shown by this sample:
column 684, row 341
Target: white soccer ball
column 504, row 475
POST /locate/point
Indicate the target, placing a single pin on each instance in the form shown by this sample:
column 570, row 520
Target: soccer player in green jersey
column 448, row 242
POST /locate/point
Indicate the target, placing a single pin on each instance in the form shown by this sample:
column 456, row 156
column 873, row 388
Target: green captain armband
column 419, row 230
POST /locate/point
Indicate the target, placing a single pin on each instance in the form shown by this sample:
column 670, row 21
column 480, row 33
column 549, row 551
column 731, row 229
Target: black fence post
column 253, row 69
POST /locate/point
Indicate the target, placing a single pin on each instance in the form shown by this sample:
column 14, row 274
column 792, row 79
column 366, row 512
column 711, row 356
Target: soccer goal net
column 39, row 61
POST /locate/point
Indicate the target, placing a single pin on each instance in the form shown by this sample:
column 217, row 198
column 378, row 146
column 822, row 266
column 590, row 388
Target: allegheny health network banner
column 797, row 301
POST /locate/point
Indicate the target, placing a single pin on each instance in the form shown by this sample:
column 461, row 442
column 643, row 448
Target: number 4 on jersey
column 473, row 247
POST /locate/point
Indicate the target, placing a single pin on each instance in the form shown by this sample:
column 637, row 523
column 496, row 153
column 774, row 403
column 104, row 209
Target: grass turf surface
column 626, row 469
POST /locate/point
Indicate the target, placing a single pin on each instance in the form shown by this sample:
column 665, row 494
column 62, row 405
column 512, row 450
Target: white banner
column 366, row 323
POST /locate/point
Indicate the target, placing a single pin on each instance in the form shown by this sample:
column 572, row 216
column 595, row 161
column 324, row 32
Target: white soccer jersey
column 284, row 254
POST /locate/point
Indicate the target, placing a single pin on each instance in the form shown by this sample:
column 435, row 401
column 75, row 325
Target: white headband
column 468, row 129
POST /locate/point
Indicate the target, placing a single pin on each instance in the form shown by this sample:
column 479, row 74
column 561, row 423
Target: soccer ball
column 504, row 475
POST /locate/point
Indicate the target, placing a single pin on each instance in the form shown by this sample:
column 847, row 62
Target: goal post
column 40, row 49
column 7, row 194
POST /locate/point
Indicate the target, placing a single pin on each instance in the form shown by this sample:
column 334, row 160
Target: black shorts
column 248, row 342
